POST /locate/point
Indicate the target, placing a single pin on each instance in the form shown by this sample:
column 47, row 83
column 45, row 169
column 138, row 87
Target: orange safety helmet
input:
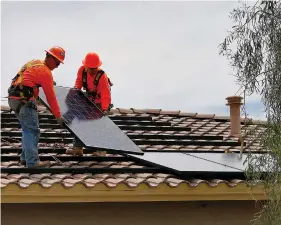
column 92, row 60
column 57, row 52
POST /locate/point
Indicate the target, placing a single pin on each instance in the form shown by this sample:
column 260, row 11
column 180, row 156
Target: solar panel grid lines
column 89, row 124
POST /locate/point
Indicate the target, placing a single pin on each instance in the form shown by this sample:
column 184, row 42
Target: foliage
column 253, row 48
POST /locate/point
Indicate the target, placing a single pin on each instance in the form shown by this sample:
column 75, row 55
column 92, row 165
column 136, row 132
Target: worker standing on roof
column 94, row 81
column 24, row 90
column 97, row 86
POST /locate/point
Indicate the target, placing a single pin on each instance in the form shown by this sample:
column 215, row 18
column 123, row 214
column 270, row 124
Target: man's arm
column 48, row 88
column 104, row 90
column 78, row 82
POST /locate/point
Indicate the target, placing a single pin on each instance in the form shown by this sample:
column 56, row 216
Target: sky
column 160, row 55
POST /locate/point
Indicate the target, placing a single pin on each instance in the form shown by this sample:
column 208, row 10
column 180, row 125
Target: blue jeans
column 29, row 121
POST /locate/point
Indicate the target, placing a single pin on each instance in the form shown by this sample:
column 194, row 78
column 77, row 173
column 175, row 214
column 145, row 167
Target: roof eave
column 35, row 193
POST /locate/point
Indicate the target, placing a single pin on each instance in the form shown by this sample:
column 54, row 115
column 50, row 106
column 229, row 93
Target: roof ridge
column 155, row 111
column 194, row 115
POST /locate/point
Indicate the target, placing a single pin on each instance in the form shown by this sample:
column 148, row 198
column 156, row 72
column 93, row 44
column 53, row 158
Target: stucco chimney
column 234, row 103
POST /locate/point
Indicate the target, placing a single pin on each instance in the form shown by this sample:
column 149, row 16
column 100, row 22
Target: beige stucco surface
column 152, row 213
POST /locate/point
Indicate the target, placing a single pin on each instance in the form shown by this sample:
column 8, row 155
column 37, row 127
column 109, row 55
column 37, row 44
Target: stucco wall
column 157, row 213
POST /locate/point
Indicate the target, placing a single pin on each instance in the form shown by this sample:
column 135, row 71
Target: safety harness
column 94, row 94
column 20, row 90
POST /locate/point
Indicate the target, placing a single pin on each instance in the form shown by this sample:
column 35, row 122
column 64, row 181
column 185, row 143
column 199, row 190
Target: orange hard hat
column 57, row 52
column 92, row 60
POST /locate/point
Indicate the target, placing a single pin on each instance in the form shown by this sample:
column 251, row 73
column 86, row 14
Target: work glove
column 61, row 121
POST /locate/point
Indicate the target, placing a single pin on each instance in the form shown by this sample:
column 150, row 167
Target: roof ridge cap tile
column 114, row 111
column 43, row 109
column 221, row 117
column 170, row 112
column 187, row 114
column 138, row 111
column 152, row 111
column 125, row 110
column 205, row 116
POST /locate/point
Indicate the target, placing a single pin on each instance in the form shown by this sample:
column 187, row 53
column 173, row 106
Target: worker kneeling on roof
column 97, row 86
column 24, row 90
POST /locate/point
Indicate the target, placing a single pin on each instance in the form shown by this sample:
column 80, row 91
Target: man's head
column 92, row 62
column 54, row 57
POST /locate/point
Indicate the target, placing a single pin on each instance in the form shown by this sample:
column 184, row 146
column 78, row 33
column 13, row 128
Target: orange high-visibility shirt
column 103, row 88
column 37, row 73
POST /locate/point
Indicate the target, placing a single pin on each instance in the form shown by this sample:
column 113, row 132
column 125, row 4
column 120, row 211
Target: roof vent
column 235, row 103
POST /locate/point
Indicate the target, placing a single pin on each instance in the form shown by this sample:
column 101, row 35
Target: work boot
column 227, row 151
column 23, row 162
column 99, row 153
column 78, row 151
column 41, row 164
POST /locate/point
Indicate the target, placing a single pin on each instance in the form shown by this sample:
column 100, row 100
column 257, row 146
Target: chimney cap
column 234, row 100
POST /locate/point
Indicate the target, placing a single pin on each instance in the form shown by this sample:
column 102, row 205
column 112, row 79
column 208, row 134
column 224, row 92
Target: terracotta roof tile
column 114, row 111
column 82, row 176
column 125, row 111
column 205, row 116
column 221, row 117
column 153, row 111
column 173, row 113
column 69, row 182
column 5, row 181
column 25, row 182
column 144, row 175
column 38, row 177
column 134, row 182
column 48, row 182
column 102, row 176
column 196, row 182
column 154, row 182
column 187, row 114
column 138, row 111
column 91, row 182
column 173, row 182
column 112, row 182
column 200, row 124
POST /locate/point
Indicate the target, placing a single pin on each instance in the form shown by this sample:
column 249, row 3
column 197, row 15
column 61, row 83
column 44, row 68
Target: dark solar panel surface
column 197, row 162
column 89, row 124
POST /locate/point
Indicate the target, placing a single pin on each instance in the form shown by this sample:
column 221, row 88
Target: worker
column 97, row 86
column 23, row 92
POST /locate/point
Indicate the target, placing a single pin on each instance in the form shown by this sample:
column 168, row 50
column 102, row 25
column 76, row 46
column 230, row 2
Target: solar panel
column 89, row 124
column 197, row 162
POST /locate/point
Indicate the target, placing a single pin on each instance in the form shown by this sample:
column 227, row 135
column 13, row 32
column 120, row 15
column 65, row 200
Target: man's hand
column 60, row 121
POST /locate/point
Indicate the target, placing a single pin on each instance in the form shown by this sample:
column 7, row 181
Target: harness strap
column 94, row 94
column 20, row 90
column 96, row 81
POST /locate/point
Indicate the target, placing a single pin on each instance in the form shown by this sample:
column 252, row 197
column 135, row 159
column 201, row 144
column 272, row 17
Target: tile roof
column 150, row 129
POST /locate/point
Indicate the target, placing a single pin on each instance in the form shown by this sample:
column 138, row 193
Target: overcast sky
column 157, row 54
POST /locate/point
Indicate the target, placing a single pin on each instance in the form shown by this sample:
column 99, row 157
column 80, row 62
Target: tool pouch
column 32, row 105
